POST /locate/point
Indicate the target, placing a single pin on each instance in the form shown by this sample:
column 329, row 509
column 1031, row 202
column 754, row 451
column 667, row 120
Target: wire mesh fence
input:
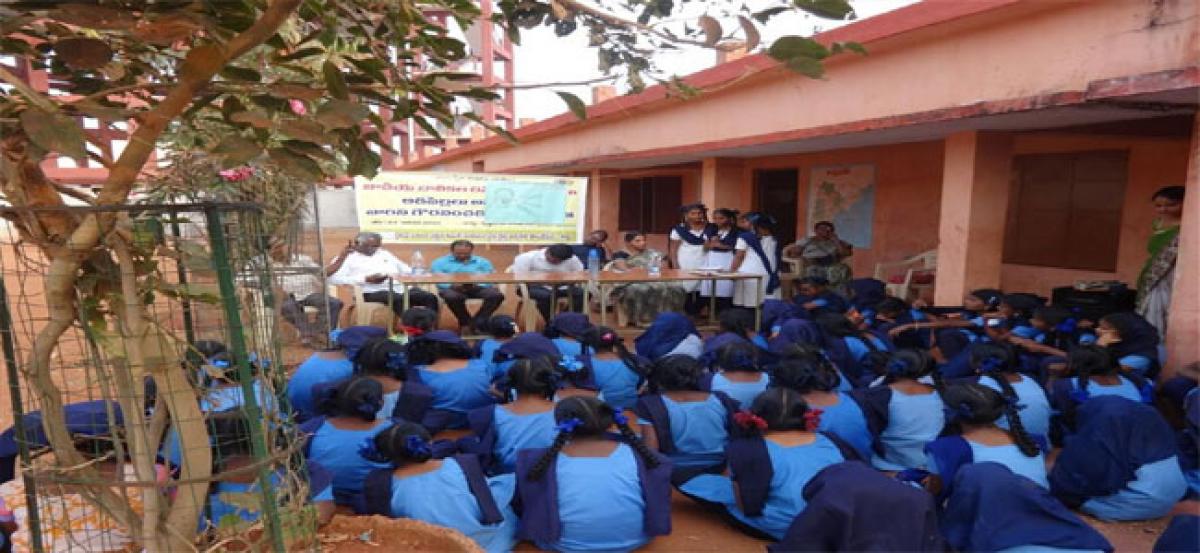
column 148, row 405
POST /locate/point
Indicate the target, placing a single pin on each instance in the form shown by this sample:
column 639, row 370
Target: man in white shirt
column 559, row 258
column 298, row 280
column 364, row 263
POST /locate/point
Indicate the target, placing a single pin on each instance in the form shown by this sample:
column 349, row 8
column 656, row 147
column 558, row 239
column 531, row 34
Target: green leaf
column 807, row 67
column 195, row 256
column 789, row 48
column 362, row 161
column 300, row 54
column 255, row 119
column 301, row 129
column 297, row 165
column 855, row 47
column 574, row 104
column 237, row 150
column 341, row 114
column 828, row 9
column 235, row 73
column 335, row 81
column 764, row 15
column 54, row 133
column 308, row 149
column 289, row 91
column 103, row 113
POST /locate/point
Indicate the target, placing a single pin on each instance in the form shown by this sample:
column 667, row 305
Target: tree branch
column 36, row 98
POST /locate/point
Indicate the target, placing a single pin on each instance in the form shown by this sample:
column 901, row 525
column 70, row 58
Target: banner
column 845, row 196
column 433, row 207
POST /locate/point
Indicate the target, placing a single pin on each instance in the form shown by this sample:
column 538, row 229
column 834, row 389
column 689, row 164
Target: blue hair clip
column 368, row 451
column 220, row 363
column 570, row 364
column 897, row 366
column 417, row 447
column 620, row 418
column 263, row 363
column 334, row 335
column 366, row 409
column 1079, row 395
column 569, row 425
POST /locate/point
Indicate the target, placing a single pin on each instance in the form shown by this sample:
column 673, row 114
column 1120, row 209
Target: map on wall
column 845, row 195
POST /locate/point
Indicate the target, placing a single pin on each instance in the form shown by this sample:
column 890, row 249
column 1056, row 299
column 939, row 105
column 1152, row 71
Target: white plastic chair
column 922, row 263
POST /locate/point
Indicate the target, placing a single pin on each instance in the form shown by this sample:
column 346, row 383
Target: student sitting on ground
column 567, row 330
column 993, row 509
column 524, row 421
column 852, row 347
column 386, row 362
column 347, row 426
column 460, row 383
column 1132, row 340
column 588, row 492
column 451, row 492
column 779, row 451
column 996, row 365
column 739, row 372
column 1093, row 372
column 905, row 414
column 683, row 422
column 815, row 380
column 618, row 374
column 326, row 366
column 972, row 411
column 669, row 334
column 500, row 329
column 1121, row 463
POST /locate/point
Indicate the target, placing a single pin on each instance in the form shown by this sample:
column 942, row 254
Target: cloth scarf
column 754, row 244
column 1163, row 248
column 685, row 233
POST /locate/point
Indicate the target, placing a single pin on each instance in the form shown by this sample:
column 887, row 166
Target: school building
column 1020, row 139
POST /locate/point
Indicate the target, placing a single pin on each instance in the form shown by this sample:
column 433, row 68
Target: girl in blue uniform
column 326, row 366
column 670, row 334
column 500, row 329
column 904, row 413
column 459, row 382
column 386, row 362
column 588, row 492
column 346, row 428
column 815, row 380
column 739, row 373
column 972, row 411
column 688, row 425
column 994, row 510
column 1122, row 462
column 779, row 453
column 1017, row 309
column 856, row 351
column 525, row 420
column 450, row 492
column 996, row 365
column 738, row 323
column 617, row 373
column 1095, row 373
column 567, row 330
column 1132, row 340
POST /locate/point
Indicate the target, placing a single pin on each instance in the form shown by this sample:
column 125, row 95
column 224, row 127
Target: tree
column 301, row 87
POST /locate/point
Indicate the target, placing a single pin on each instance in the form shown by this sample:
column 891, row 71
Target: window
column 1065, row 210
column 650, row 204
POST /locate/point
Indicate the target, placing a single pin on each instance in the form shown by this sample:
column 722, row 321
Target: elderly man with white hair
column 364, row 263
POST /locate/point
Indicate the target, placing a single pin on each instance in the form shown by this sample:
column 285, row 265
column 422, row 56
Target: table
column 607, row 280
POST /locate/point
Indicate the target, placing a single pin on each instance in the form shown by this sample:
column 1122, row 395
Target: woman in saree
column 824, row 255
column 643, row 300
column 1158, row 275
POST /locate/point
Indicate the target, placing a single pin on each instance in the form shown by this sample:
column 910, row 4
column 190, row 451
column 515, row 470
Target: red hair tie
column 746, row 419
column 412, row 330
column 812, row 419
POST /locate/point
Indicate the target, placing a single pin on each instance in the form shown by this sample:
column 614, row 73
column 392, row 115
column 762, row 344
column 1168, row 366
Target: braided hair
column 996, row 361
column 582, row 416
column 427, row 352
column 605, row 339
column 912, row 364
column 778, row 409
column 738, row 357
column 402, row 443
column 358, row 397
column 534, row 377
column 420, row 318
column 977, row 404
column 805, row 375
column 675, row 373
column 382, row 357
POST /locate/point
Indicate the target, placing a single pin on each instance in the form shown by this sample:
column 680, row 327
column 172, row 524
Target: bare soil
column 376, row 534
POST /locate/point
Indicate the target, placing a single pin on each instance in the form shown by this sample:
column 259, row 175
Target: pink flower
column 236, row 174
column 298, row 107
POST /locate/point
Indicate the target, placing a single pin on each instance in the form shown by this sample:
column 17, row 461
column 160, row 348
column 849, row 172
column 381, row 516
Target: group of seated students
column 844, row 424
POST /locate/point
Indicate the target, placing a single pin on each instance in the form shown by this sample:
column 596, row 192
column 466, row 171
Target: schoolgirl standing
column 685, row 247
column 756, row 253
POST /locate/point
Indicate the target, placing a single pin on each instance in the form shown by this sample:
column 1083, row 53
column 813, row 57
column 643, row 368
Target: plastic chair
column 527, row 311
column 919, row 274
column 787, row 280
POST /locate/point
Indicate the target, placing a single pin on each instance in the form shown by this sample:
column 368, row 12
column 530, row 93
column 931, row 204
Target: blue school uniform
column 612, row 503
column 1033, row 405
column 1066, row 389
column 903, row 424
column 846, row 420
column 697, row 431
column 320, row 483
column 790, row 469
column 487, row 347
column 743, row 392
column 458, row 391
column 1121, row 464
column 567, row 346
column 444, row 497
column 948, row 454
column 338, row 450
column 617, row 382
column 1139, row 364
column 217, row 400
column 993, row 509
column 499, row 434
column 313, row 371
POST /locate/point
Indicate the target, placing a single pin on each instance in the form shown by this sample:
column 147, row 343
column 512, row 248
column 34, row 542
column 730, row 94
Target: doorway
column 776, row 192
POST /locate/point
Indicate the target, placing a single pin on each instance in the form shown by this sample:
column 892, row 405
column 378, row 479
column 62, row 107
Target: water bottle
column 654, row 268
column 417, row 263
column 593, row 263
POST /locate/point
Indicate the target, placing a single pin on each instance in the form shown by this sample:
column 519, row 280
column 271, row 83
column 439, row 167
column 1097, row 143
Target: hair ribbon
column 812, row 419
column 620, row 418
column 897, row 366
column 417, row 447
column 569, row 425
column 746, row 419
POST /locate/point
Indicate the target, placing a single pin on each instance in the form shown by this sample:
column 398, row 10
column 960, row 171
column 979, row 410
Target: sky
column 543, row 57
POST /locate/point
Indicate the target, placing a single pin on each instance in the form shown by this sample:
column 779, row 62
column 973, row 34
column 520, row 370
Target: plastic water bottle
column 593, row 263
column 418, row 263
column 654, row 268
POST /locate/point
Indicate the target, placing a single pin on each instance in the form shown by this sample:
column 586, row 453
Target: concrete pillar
column 1183, row 324
column 723, row 184
column 975, row 189
column 604, row 202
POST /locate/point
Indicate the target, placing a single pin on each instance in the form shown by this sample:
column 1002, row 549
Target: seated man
column 555, row 259
column 595, row 241
column 300, row 287
column 462, row 260
column 364, row 264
